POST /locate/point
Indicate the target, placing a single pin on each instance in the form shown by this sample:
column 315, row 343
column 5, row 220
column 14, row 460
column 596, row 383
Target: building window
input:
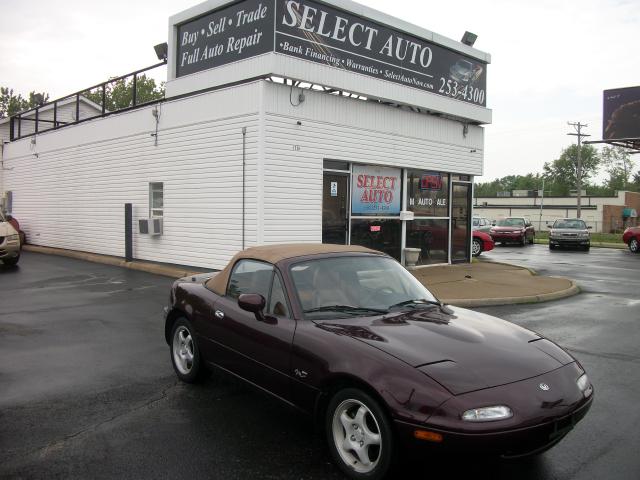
column 156, row 199
column 431, row 236
column 428, row 193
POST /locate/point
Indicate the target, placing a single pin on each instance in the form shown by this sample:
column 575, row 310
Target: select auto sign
column 319, row 33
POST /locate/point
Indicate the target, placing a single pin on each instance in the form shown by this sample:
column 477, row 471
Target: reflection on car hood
column 463, row 351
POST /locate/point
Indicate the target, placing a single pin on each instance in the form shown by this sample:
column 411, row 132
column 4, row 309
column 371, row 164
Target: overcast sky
column 551, row 59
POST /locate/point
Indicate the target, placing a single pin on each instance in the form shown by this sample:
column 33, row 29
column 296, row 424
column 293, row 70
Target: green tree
column 618, row 165
column 10, row 103
column 119, row 93
column 561, row 174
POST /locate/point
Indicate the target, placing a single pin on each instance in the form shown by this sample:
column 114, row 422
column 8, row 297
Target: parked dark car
column 513, row 230
column 481, row 242
column 348, row 335
column 631, row 237
column 569, row 232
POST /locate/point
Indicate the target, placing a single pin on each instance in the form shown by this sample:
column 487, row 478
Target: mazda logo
column 544, row 386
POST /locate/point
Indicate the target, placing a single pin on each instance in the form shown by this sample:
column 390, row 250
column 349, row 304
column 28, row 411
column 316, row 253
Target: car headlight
column 584, row 234
column 13, row 238
column 584, row 385
column 487, row 414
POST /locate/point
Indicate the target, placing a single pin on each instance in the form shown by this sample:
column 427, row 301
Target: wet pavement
column 87, row 389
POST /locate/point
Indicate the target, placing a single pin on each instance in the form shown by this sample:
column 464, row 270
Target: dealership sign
column 375, row 190
column 318, row 33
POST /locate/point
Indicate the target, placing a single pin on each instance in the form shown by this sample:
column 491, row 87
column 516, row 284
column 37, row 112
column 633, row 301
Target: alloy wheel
column 476, row 248
column 634, row 245
column 183, row 353
column 357, row 436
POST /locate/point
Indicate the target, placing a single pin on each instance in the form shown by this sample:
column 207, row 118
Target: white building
column 602, row 214
column 243, row 157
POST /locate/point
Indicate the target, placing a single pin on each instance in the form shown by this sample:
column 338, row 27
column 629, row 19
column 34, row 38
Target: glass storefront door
column 335, row 207
column 460, row 222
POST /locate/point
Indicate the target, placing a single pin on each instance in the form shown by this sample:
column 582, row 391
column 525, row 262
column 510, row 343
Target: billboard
column 621, row 114
column 319, row 33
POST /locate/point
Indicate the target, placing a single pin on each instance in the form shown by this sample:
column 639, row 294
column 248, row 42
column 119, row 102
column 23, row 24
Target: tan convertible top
column 274, row 253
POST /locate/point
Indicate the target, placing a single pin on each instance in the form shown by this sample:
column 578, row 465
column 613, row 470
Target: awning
column 629, row 213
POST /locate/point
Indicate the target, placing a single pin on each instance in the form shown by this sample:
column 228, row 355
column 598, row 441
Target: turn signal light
column 428, row 436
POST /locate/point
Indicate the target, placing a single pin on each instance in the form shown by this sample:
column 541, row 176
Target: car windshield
column 511, row 222
column 341, row 287
column 570, row 224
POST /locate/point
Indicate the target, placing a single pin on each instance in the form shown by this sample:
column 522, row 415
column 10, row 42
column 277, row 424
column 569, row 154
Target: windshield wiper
column 345, row 308
column 417, row 301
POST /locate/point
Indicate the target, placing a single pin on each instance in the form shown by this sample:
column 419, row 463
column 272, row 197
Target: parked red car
column 631, row 237
column 481, row 243
column 349, row 336
column 513, row 230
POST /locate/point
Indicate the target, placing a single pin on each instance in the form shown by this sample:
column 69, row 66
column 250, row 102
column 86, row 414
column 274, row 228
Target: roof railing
column 50, row 115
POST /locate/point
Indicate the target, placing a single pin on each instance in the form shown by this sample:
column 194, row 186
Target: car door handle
column 219, row 314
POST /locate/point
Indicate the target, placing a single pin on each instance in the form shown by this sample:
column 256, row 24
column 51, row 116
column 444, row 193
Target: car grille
column 570, row 235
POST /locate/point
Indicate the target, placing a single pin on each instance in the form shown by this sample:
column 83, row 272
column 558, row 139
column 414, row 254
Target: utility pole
column 578, row 127
column 541, row 205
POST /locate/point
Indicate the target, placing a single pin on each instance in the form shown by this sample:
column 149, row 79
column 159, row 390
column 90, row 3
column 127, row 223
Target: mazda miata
column 350, row 336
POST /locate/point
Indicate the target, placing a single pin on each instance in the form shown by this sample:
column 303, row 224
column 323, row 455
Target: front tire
column 359, row 435
column 634, row 245
column 476, row 247
column 185, row 355
column 11, row 262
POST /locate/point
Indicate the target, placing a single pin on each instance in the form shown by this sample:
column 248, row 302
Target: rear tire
column 185, row 355
column 634, row 245
column 552, row 247
column 523, row 241
column 532, row 240
column 359, row 435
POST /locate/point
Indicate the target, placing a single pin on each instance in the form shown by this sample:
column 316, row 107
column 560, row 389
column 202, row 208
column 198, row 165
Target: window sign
column 376, row 190
column 428, row 193
column 334, row 189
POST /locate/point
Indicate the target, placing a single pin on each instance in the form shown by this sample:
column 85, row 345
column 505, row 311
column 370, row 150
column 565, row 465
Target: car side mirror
column 493, row 224
column 254, row 303
column 589, row 227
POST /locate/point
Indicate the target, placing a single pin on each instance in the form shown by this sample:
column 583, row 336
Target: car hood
column 6, row 229
column 462, row 350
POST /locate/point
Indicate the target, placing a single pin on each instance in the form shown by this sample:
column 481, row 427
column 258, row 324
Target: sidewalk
column 486, row 283
column 477, row 284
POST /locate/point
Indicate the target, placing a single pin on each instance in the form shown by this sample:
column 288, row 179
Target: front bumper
column 541, row 417
column 570, row 242
column 507, row 237
column 9, row 249
column 508, row 444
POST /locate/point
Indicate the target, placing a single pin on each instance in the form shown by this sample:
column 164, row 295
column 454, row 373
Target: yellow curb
column 157, row 269
column 490, row 302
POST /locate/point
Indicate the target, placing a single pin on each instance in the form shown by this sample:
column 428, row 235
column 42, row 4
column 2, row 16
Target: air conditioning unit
column 150, row 226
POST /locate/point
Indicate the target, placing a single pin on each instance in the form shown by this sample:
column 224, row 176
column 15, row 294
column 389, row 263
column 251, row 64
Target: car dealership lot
column 88, row 390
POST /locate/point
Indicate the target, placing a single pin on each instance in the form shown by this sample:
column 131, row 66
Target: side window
column 156, row 199
column 278, row 301
column 250, row 276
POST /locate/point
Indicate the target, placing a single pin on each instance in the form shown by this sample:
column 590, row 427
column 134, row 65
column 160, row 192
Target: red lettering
column 360, row 181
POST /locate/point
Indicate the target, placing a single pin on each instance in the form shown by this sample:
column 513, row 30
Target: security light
column 469, row 38
column 161, row 51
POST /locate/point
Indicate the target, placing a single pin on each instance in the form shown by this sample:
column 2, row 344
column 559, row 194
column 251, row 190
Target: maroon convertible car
column 348, row 335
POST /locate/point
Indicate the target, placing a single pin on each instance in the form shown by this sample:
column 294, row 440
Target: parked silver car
column 9, row 243
column 569, row 232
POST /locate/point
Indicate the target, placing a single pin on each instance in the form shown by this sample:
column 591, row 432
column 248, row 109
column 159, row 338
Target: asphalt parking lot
column 87, row 388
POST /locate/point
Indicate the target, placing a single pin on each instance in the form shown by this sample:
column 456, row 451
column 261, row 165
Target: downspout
column 244, row 149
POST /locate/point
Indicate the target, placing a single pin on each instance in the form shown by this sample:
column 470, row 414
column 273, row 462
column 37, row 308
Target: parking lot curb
column 148, row 267
column 492, row 302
